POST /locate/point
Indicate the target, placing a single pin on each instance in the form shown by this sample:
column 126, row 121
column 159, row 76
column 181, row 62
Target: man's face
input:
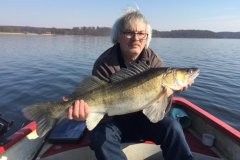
column 133, row 39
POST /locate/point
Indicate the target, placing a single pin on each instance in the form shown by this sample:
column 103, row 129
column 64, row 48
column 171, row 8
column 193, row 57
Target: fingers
column 189, row 85
column 186, row 87
column 79, row 111
column 70, row 112
column 76, row 109
column 86, row 109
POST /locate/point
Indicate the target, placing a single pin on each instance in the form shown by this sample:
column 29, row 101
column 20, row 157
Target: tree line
column 96, row 31
column 105, row 31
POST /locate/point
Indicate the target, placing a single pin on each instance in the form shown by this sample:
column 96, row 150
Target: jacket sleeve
column 154, row 60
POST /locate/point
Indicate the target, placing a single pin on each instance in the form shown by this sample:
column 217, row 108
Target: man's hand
column 186, row 87
column 79, row 111
column 170, row 91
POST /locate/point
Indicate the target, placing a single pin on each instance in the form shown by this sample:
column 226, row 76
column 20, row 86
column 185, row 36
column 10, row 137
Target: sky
column 163, row 15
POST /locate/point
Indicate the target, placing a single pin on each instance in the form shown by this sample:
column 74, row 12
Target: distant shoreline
column 21, row 33
column 106, row 31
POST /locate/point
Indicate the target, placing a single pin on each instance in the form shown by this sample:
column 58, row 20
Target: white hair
column 125, row 21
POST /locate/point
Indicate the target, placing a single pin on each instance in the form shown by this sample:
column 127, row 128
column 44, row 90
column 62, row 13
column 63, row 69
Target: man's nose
column 135, row 36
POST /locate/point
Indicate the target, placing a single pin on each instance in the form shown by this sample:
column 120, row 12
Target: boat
column 208, row 137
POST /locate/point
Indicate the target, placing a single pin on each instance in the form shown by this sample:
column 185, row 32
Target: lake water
column 35, row 68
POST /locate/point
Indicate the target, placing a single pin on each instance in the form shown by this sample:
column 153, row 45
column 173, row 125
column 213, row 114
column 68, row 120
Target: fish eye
column 190, row 71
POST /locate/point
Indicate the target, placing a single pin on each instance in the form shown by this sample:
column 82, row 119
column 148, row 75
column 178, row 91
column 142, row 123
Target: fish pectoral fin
column 93, row 119
column 156, row 111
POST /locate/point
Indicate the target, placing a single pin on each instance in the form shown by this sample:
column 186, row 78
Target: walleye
column 129, row 90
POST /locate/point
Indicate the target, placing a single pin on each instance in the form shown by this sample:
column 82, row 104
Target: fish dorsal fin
column 88, row 84
column 132, row 70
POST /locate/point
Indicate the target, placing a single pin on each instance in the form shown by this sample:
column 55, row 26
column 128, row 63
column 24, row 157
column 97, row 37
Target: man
column 131, row 35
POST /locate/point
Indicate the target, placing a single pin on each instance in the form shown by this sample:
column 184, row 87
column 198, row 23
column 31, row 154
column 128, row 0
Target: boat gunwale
column 222, row 126
column 18, row 136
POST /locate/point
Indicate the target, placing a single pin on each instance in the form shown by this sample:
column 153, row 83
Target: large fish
column 129, row 90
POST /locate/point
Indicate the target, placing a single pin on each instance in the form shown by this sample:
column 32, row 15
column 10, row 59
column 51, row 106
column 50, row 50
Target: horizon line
column 111, row 27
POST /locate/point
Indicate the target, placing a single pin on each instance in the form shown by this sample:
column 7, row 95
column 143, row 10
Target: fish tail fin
column 40, row 113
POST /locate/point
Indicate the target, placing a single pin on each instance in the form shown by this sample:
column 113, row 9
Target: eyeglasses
column 130, row 34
